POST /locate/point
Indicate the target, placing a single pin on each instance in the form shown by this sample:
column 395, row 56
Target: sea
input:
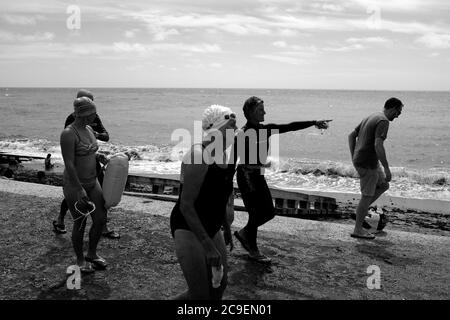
column 144, row 121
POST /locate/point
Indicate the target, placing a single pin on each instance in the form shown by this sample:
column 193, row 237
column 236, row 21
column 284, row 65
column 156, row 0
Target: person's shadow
column 91, row 288
column 249, row 276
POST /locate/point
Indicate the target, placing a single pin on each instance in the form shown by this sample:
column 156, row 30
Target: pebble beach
column 311, row 259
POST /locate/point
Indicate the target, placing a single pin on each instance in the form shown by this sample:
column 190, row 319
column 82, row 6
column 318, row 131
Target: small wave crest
column 433, row 176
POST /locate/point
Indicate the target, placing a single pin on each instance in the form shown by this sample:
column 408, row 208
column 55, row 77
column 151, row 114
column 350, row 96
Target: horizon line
column 221, row 88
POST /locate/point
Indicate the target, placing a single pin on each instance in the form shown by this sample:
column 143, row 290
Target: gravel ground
column 311, row 259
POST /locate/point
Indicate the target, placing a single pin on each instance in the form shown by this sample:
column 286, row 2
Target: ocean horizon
column 225, row 88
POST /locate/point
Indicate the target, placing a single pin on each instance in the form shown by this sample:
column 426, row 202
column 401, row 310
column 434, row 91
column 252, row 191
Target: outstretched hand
column 322, row 124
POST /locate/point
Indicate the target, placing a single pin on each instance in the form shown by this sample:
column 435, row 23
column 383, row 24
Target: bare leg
column 217, row 293
column 361, row 212
column 79, row 225
column 77, row 239
column 192, row 260
column 105, row 226
column 62, row 212
column 98, row 220
column 379, row 191
column 363, row 208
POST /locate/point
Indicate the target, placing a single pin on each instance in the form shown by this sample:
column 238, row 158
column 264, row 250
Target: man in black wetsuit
column 250, row 178
column 103, row 135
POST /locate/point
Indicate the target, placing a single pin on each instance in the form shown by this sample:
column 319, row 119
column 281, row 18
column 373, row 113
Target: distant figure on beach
column 81, row 188
column 103, row 135
column 250, row 178
column 367, row 151
column 48, row 162
column 204, row 206
column 8, row 172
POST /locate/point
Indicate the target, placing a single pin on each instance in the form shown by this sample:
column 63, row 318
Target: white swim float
column 115, row 179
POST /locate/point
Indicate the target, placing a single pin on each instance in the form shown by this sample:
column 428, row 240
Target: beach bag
column 115, row 179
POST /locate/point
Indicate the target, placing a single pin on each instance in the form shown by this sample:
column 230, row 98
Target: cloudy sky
column 318, row 44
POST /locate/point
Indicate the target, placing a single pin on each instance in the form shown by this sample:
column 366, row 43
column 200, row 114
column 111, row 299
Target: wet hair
column 250, row 105
column 392, row 103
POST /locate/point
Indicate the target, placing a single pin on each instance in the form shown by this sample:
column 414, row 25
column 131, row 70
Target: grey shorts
column 370, row 179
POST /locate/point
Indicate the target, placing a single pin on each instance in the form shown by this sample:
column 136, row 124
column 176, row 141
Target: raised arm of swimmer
column 297, row 125
column 100, row 131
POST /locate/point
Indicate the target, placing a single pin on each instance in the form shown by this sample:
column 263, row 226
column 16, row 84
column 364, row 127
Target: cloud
column 22, row 20
column 114, row 51
column 371, row 41
column 330, row 7
column 230, row 23
column 175, row 47
column 15, row 37
column 245, row 29
column 131, row 33
column 368, row 40
column 283, row 59
column 411, row 27
column 392, row 5
column 353, row 47
column 164, row 34
column 49, row 50
column 287, row 33
column 89, row 49
column 280, row 44
column 296, row 49
column 435, row 41
column 339, row 24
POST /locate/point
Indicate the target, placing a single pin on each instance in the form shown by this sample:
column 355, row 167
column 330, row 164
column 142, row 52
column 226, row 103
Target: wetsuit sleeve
column 69, row 120
column 382, row 129
column 293, row 126
column 357, row 128
column 103, row 135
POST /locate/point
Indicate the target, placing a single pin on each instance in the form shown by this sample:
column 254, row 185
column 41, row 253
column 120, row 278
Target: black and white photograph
column 225, row 156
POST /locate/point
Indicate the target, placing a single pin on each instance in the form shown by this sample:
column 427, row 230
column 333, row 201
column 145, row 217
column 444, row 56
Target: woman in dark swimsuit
column 206, row 194
column 80, row 185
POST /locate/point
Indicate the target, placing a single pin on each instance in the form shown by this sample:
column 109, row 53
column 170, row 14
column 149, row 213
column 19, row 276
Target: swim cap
column 84, row 107
column 215, row 116
column 85, row 93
